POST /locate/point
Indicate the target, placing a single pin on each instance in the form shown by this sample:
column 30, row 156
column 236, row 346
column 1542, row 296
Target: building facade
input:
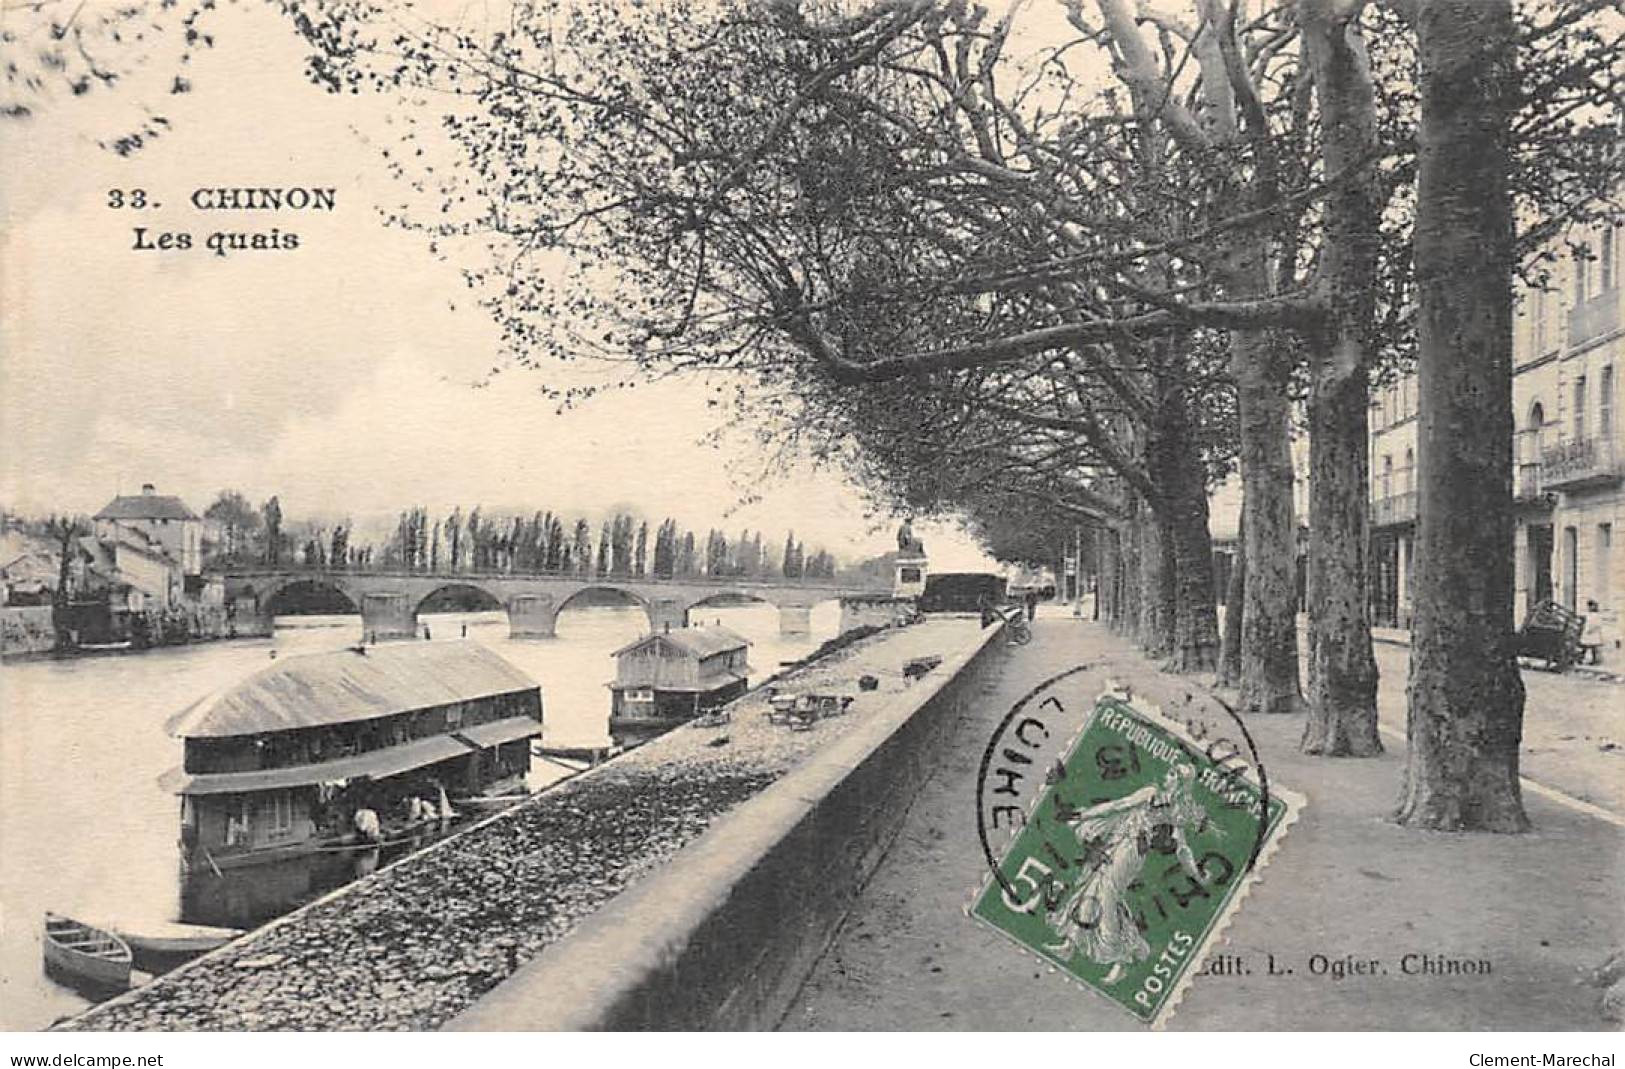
column 1567, row 450
column 1565, row 393
column 667, row 678
column 1393, row 501
column 158, row 518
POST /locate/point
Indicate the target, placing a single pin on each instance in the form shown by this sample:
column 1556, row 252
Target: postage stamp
column 1134, row 854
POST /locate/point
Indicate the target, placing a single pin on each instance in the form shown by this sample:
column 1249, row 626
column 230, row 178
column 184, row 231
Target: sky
column 343, row 376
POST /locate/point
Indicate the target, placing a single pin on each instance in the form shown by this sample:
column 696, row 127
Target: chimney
column 147, row 489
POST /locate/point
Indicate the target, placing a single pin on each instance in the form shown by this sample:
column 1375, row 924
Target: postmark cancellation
column 1134, row 853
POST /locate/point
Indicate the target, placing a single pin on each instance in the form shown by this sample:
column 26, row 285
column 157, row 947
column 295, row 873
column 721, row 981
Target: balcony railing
column 1594, row 318
column 1529, row 487
column 1579, row 462
column 1394, row 509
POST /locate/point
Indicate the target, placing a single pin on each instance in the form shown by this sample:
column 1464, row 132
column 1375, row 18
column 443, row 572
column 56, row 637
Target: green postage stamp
column 1134, row 854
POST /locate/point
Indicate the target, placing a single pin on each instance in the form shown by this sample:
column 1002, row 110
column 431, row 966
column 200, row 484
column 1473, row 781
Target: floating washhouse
column 292, row 758
column 670, row 677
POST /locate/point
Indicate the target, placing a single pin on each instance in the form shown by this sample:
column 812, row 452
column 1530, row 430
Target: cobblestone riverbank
column 416, row 943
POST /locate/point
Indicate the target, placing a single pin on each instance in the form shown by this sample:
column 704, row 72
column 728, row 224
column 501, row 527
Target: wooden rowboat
column 84, row 957
column 161, row 946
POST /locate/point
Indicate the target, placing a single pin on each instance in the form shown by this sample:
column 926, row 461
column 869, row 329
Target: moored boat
column 162, row 946
column 489, row 803
column 85, row 957
column 348, row 750
column 667, row 679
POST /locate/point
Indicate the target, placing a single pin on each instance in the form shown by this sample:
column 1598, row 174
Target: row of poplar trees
column 542, row 544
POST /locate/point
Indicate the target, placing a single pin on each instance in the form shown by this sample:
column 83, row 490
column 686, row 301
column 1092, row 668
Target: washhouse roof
column 342, row 686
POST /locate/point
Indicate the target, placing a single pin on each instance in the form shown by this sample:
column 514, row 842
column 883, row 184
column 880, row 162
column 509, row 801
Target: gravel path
column 416, row 943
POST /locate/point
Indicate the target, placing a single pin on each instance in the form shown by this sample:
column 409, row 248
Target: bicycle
column 1017, row 632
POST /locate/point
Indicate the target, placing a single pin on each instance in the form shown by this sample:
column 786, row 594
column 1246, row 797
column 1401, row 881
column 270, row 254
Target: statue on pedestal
column 907, row 544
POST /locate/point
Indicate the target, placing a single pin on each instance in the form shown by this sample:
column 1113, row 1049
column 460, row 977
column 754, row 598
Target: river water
column 85, row 830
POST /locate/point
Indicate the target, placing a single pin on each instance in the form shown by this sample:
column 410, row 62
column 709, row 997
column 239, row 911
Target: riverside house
column 157, row 519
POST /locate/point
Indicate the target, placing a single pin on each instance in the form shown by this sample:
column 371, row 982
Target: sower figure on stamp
column 1116, row 837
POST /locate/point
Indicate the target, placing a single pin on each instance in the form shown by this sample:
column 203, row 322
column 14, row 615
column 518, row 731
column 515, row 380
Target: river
column 86, row 831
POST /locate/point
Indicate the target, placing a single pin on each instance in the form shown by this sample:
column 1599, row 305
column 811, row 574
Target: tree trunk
column 1112, row 579
column 1342, row 670
column 1128, row 578
column 1176, row 469
column 62, row 596
column 1098, row 536
column 1167, row 588
column 1106, row 586
column 1234, row 608
column 1465, row 720
column 1116, row 595
column 1269, row 636
column 1196, row 617
column 1156, row 630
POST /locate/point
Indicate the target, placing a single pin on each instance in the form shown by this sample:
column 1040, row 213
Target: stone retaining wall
column 26, row 629
column 725, row 934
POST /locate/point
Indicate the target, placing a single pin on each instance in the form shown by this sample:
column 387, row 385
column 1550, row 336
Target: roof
column 344, row 686
column 379, row 764
column 15, row 544
column 146, row 507
column 32, row 564
column 139, row 543
column 699, row 642
column 98, row 555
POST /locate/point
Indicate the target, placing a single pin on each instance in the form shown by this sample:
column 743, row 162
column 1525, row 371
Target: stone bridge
column 389, row 602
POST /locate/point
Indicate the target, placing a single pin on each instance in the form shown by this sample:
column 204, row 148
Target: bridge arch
column 658, row 611
column 602, row 595
column 795, row 608
column 730, row 597
column 314, row 594
column 255, row 606
column 457, row 596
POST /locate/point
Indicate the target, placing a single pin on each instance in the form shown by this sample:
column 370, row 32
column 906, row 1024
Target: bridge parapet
column 532, row 602
column 712, row 584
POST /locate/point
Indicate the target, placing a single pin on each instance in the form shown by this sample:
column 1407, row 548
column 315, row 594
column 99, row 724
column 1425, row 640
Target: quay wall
column 31, row 629
column 726, row 933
